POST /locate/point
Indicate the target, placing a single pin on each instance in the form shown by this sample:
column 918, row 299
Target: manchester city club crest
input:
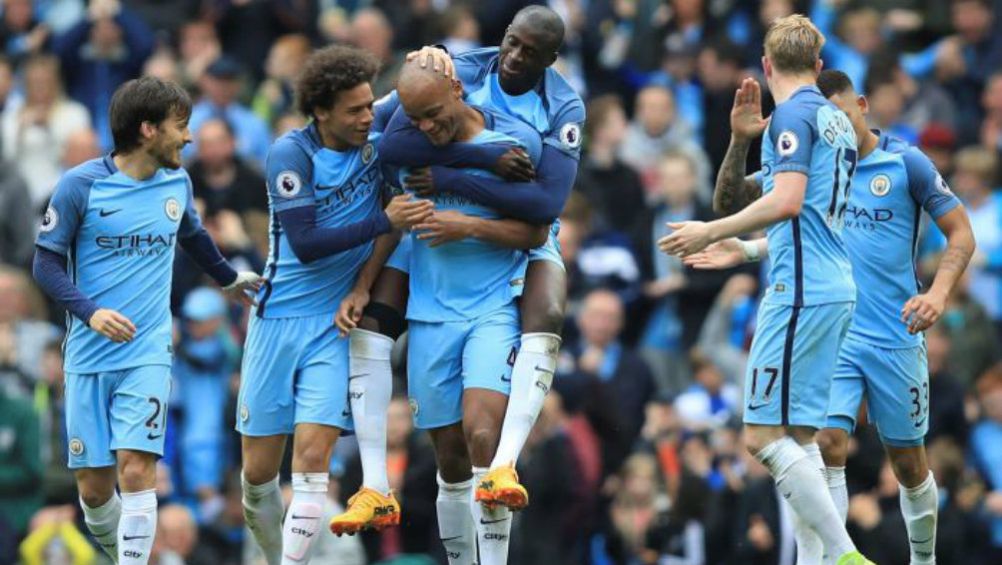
column 368, row 151
column 880, row 185
column 49, row 220
column 173, row 209
column 288, row 184
column 76, row 447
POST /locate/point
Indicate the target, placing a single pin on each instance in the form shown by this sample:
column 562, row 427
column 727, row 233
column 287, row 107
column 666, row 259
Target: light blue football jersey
column 119, row 235
column 891, row 187
column 466, row 279
column 345, row 187
column 554, row 109
column 808, row 260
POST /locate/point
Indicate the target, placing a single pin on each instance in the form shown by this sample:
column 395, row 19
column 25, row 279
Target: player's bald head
column 543, row 23
column 432, row 101
column 413, row 79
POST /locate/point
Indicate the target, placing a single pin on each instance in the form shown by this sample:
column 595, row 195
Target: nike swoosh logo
column 105, row 213
column 350, row 377
column 130, row 538
column 345, row 413
column 754, row 407
column 919, row 423
column 294, row 517
column 151, row 436
column 544, row 370
column 505, row 380
column 482, row 521
column 787, row 495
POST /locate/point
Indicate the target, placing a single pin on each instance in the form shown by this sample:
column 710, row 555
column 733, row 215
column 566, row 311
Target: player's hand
column 404, row 211
column 112, row 325
column 421, row 182
column 922, row 311
column 244, row 289
column 445, row 226
column 349, row 314
column 515, row 166
column 747, row 122
column 686, row 239
column 759, row 534
column 720, row 255
column 440, row 61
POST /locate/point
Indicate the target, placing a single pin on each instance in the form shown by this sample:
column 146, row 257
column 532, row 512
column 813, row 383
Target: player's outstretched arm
column 733, row 190
column 403, row 145
column 728, row 253
column 449, row 225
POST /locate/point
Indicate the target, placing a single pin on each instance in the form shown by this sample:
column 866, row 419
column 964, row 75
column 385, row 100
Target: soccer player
column 105, row 252
column 516, row 79
column 808, row 156
column 464, row 326
column 883, row 355
column 329, row 229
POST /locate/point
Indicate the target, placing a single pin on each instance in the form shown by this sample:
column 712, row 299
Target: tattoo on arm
column 734, row 191
column 955, row 259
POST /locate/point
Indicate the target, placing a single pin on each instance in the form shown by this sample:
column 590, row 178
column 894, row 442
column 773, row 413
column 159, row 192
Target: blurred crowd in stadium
column 637, row 457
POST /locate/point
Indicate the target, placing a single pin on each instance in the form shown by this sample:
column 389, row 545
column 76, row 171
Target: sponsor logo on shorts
column 76, row 447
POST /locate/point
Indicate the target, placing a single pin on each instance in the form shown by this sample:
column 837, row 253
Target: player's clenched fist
column 404, row 211
column 112, row 325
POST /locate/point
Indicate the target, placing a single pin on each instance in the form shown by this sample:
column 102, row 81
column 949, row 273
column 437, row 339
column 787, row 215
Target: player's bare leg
column 137, row 478
column 455, row 488
column 542, row 314
column 800, row 480
column 370, row 391
column 262, row 496
column 919, row 500
column 483, row 415
column 101, row 506
column 312, row 446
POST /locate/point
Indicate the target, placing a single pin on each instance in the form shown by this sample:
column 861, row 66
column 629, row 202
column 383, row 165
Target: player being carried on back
column 329, row 232
column 515, row 79
column 106, row 254
column 884, row 354
column 808, row 159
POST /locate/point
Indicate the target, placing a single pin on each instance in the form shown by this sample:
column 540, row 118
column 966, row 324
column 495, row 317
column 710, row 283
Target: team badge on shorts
column 414, row 407
column 367, row 153
column 570, row 136
column 288, row 183
column 49, row 220
column 76, row 447
column 244, row 413
column 173, row 209
column 880, row 185
column 788, row 143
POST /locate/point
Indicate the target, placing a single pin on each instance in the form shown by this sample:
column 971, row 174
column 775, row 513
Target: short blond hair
column 793, row 44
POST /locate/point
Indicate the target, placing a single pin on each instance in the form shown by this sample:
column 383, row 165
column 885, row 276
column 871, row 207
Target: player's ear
column 818, row 66
column 863, row 103
column 457, row 88
column 766, row 66
column 147, row 130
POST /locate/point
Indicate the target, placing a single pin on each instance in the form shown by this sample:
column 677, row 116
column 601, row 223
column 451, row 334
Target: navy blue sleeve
column 404, row 145
column 49, row 271
column 203, row 250
column 383, row 110
column 537, row 202
column 310, row 242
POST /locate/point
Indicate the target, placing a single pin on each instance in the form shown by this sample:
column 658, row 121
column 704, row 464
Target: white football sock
column 920, row 506
column 102, row 523
column 263, row 515
column 137, row 527
column 531, row 379
column 370, row 387
column 835, row 477
column 302, row 522
column 801, row 484
column 493, row 527
column 455, row 523
column 810, row 550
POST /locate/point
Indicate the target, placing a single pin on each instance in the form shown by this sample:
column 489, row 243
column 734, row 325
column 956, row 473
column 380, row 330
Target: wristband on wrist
column 751, row 252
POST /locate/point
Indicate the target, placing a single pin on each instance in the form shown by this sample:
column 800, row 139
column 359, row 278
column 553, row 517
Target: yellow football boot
column 500, row 486
column 367, row 509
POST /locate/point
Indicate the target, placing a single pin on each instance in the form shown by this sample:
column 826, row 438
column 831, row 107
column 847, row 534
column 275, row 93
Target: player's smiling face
column 523, row 58
column 172, row 135
column 346, row 124
column 433, row 105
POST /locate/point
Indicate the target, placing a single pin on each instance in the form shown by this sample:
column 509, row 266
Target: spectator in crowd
column 100, row 53
column 221, row 178
column 58, row 484
column 939, row 142
column 21, row 34
column 973, row 336
column 163, row 65
column 17, row 230
column 657, row 128
column 81, row 146
column 20, row 464
column 857, row 37
column 9, row 97
column 725, row 333
column 370, row 30
column 924, row 102
column 720, row 72
column 34, row 134
column 460, row 29
column 887, row 107
column 710, row 402
column 220, row 85
column 946, row 412
column 23, row 321
column 985, row 439
column 198, row 47
column 55, row 539
column 275, row 93
column 178, row 537
column 204, row 358
column 612, row 188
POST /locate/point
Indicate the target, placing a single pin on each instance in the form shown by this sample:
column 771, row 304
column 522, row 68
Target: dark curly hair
column 329, row 71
